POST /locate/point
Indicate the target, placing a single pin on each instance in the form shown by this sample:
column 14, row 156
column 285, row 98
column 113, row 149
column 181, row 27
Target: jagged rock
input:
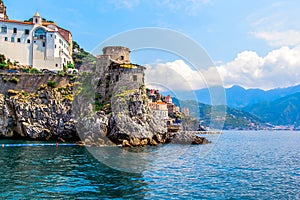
column 125, row 143
column 200, row 140
column 27, row 116
column 185, row 137
column 153, row 142
column 47, row 114
column 3, row 116
column 131, row 119
column 93, row 129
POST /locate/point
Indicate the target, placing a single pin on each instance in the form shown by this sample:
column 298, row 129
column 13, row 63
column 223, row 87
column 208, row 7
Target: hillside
column 82, row 57
column 283, row 111
column 235, row 119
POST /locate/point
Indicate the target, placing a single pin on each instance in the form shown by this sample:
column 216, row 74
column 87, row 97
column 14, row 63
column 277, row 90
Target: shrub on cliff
column 51, row 84
column 2, row 59
column 3, row 64
column 82, row 57
column 14, row 80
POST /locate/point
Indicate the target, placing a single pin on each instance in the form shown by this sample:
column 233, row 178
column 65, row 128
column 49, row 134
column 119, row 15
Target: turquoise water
column 247, row 165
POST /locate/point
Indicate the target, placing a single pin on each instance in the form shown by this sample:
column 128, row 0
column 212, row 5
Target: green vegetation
column 283, row 111
column 31, row 70
column 81, row 57
column 14, row 80
column 43, row 19
column 51, row 84
column 3, row 63
column 232, row 118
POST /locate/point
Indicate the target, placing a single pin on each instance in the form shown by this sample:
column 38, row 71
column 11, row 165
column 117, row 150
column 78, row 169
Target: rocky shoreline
column 48, row 115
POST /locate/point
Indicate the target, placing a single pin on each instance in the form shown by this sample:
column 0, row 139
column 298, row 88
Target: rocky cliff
column 43, row 115
column 49, row 114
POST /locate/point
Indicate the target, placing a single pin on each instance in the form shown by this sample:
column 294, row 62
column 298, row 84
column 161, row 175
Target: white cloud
column 173, row 75
column 277, row 23
column 190, row 7
column 279, row 68
column 127, row 4
column 178, row 76
column 279, row 38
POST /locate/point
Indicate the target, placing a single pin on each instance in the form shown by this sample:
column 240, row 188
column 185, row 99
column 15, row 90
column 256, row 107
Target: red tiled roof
column 27, row 23
column 17, row 22
column 65, row 33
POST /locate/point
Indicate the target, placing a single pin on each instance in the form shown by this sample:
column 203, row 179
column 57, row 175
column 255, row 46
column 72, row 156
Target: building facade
column 35, row 43
column 159, row 109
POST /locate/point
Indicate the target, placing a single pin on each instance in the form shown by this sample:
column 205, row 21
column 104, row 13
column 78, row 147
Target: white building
column 40, row 44
column 159, row 109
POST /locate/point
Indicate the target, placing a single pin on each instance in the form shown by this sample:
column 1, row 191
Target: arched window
column 40, row 33
column 3, row 29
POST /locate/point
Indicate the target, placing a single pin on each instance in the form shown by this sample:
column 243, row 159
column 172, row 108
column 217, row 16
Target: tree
column 2, row 59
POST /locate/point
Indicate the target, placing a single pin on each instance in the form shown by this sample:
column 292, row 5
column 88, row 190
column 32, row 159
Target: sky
column 252, row 43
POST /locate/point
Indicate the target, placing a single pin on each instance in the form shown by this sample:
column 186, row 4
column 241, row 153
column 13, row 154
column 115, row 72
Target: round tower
column 118, row 53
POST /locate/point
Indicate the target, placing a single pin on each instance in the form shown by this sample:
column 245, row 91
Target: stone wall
column 118, row 53
column 29, row 82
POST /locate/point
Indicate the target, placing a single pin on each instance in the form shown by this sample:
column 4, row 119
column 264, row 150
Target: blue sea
column 237, row 165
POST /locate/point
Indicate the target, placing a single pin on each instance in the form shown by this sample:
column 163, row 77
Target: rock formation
column 48, row 114
column 43, row 115
column 131, row 123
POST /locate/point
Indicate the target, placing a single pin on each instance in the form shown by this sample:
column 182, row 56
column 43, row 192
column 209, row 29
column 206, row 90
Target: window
column 12, row 39
column 122, row 57
column 19, row 40
column 55, row 46
column 3, row 29
column 26, row 31
column 15, row 30
column 40, row 33
column 44, row 44
column 28, row 41
column 36, row 20
column 6, row 39
column 117, row 77
column 56, row 65
column 134, row 77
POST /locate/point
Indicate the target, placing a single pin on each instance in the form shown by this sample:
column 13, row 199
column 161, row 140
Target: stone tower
column 117, row 54
column 116, row 70
column 3, row 15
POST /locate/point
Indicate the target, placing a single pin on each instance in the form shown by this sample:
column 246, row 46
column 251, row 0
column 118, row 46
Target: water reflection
column 52, row 172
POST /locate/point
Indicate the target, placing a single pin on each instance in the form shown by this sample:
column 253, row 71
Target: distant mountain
column 283, row 111
column 234, row 119
column 238, row 97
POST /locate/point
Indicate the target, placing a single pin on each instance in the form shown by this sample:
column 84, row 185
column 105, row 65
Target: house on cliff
column 36, row 42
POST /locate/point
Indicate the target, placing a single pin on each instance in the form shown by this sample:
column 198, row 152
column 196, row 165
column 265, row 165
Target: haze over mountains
column 283, row 111
column 239, row 97
column 279, row 107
